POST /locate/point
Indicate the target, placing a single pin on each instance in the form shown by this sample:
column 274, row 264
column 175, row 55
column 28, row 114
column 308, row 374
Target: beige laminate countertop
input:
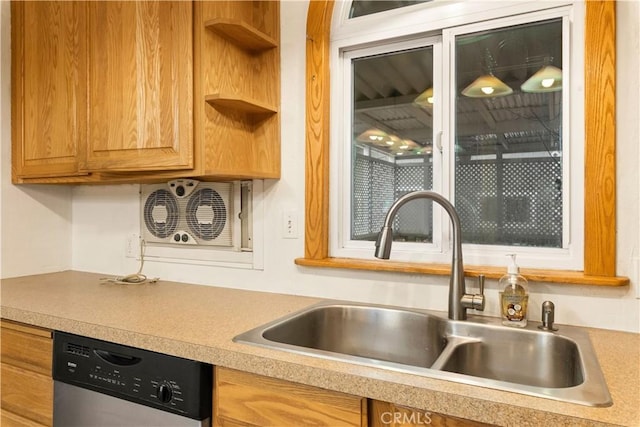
column 199, row 322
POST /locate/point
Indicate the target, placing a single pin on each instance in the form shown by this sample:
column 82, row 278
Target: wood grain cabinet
column 140, row 86
column 385, row 414
column 118, row 91
column 49, row 99
column 243, row 399
column 27, row 386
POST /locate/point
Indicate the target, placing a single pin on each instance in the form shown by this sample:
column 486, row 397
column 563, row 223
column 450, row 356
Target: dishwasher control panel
column 153, row 379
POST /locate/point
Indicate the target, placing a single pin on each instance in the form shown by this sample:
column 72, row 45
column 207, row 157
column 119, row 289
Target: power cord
column 135, row 278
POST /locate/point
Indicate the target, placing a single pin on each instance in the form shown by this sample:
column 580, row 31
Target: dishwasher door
column 105, row 384
column 78, row 407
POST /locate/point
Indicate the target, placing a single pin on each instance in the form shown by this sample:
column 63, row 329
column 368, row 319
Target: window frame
column 340, row 199
column 571, row 252
column 600, row 166
column 395, row 38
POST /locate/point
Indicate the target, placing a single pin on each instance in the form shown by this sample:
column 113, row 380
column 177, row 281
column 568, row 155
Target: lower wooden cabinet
column 243, row 399
column 27, row 385
column 9, row 419
column 385, row 414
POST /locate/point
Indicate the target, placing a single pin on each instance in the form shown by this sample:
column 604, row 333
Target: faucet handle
column 475, row 301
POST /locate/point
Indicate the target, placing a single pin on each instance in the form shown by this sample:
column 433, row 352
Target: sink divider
column 453, row 342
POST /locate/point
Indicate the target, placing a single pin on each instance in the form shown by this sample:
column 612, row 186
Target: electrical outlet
column 290, row 224
column 132, row 248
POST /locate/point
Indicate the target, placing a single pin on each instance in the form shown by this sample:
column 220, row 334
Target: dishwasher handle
column 117, row 359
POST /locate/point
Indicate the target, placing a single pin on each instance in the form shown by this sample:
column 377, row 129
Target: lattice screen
column 376, row 185
column 541, row 182
column 414, row 220
column 373, row 193
column 361, row 198
column 475, row 191
column 528, row 212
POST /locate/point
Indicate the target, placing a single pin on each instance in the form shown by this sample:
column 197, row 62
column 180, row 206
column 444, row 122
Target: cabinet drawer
column 27, row 347
column 27, row 393
column 9, row 419
column 250, row 399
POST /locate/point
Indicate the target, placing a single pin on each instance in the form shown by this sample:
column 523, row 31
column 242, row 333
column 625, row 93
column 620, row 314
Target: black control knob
column 164, row 393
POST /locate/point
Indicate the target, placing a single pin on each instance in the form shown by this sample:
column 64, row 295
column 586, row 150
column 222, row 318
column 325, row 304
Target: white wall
column 35, row 221
column 628, row 146
column 5, row 35
column 104, row 216
column 628, row 108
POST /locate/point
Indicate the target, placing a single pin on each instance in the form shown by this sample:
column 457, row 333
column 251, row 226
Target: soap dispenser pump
column 515, row 297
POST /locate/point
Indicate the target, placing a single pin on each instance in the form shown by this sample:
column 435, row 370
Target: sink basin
column 560, row 365
column 383, row 334
column 522, row 357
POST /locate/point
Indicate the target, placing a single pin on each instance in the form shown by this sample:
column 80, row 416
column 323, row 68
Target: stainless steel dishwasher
column 102, row 384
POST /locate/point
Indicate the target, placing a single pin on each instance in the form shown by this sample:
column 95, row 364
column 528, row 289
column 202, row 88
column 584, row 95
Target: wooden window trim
column 600, row 165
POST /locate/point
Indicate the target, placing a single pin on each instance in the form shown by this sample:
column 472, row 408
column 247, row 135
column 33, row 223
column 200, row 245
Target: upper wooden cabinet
column 137, row 91
column 140, row 114
column 49, row 50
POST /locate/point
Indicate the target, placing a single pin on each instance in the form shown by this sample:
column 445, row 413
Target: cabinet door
column 27, row 394
column 9, row 419
column 385, row 414
column 140, row 86
column 243, row 399
column 49, row 88
column 27, row 386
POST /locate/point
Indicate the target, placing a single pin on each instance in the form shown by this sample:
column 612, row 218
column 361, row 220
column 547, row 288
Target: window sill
column 567, row 277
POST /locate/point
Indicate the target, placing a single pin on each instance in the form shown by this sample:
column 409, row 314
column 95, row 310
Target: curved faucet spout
column 458, row 298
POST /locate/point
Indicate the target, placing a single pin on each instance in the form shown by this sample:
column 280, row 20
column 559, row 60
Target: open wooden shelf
column 240, row 103
column 241, row 33
column 240, row 84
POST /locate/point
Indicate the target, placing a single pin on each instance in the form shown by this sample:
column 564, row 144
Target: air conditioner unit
column 190, row 212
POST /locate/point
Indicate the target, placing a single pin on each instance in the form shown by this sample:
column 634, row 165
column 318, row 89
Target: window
column 383, row 165
column 599, row 138
column 481, row 112
column 367, row 7
column 509, row 150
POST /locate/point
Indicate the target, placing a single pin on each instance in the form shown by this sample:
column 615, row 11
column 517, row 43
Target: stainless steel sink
column 560, row 365
column 383, row 334
column 518, row 356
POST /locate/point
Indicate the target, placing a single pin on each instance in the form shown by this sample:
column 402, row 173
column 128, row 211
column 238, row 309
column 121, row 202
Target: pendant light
column 547, row 79
column 487, row 85
column 373, row 136
column 425, row 99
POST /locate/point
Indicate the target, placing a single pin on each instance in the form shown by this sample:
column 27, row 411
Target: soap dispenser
column 514, row 297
